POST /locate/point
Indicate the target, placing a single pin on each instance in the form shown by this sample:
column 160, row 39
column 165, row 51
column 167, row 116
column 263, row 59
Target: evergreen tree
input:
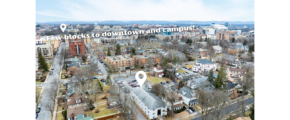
column 108, row 81
column 66, row 67
column 205, row 39
column 108, row 52
column 133, row 51
column 42, row 63
column 118, row 50
column 175, row 60
column 221, row 79
column 252, row 115
column 245, row 42
column 210, row 76
column 233, row 40
column 251, row 49
column 165, row 62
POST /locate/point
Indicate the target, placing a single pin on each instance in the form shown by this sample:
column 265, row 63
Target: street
column 230, row 108
column 44, row 113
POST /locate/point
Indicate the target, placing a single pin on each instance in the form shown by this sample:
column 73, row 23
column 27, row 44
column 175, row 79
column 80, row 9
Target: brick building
column 143, row 59
column 120, row 62
column 225, row 35
column 77, row 47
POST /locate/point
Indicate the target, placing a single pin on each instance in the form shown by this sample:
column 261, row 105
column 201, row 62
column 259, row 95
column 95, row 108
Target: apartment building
column 46, row 50
column 120, row 62
column 225, row 35
column 144, row 59
column 204, row 65
column 149, row 103
column 77, row 47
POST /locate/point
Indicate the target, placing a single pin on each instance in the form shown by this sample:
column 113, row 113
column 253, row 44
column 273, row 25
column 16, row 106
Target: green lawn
column 38, row 89
column 38, row 81
column 156, row 80
column 59, row 108
column 59, row 116
column 181, row 71
column 103, row 111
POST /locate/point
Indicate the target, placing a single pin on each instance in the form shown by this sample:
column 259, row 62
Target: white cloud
column 169, row 10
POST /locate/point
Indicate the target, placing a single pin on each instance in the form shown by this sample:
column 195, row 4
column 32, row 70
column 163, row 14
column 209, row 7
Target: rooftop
column 119, row 57
column 148, row 98
column 203, row 61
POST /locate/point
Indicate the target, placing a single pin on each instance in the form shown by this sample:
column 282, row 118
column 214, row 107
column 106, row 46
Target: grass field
column 103, row 111
column 59, row 116
column 181, row 71
column 156, row 80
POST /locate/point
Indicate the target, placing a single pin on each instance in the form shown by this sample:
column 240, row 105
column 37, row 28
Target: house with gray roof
column 188, row 95
column 216, row 49
column 204, row 65
column 151, row 105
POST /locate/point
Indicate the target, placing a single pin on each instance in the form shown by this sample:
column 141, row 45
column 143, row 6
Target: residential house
column 238, row 47
column 129, row 50
column 231, row 60
column 158, row 71
column 76, row 100
column 235, row 73
column 149, row 103
column 204, row 65
column 140, row 52
column 199, row 45
column 188, row 95
column 73, row 112
column 202, row 53
column 102, row 55
column 70, row 62
column 175, row 98
column 216, row 49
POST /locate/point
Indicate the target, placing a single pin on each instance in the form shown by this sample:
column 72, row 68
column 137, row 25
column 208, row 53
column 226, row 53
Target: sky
column 157, row 10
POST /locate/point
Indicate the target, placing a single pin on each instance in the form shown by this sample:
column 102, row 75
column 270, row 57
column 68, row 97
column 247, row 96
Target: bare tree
column 50, row 107
column 247, row 83
column 150, row 62
column 171, row 97
column 159, row 90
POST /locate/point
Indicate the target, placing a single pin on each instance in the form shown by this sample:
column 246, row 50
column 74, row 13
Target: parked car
column 51, row 73
column 134, row 81
column 131, row 83
column 95, row 78
column 36, row 115
column 38, row 110
column 167, row 82
column 39, row 105
column 163, row 83
column 188, row 110
column 192, row 109
column 174, row 81
column 52, row 68
column 101, row 61
column 103, row 80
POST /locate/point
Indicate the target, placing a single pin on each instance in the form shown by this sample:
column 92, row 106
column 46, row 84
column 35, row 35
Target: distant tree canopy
column 133, row 51
column 221, row 79
column 189, row 41
column 108, row 52
column 118, row 49
column 233, row 40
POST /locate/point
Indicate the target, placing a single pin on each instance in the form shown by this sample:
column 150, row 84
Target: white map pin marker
column 141, row 81
column 62, row 27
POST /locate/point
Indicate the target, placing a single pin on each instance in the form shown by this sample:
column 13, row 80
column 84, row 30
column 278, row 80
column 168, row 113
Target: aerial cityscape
column 144, row 69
